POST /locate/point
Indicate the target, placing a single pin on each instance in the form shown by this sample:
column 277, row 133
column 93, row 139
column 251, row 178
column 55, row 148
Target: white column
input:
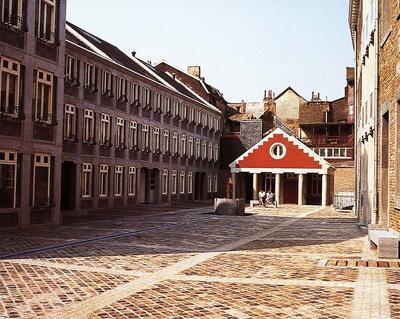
column 324, row 190
column 300, row 190
column 255, row 183
column 277, row 188
column 234, row 185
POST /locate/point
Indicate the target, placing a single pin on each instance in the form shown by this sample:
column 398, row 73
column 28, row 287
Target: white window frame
column 9, row 158
column 145, row 137
column 204, row 153
column 164, row 182
column 49, row 8
column 133, row 135
column 174, row 143
column 120, row 132
column 190, row 182
column 165, row 141
column 12, row 70
column 121, row 88
column 71, row 69
column 215, row 176
column 210, row 151
column 105, row 129
column 104, row 180
column 106, row 83
column 90, row 76
column 198, row 148
column 190, row 146
column 7, row 17
column 156, row 139
column 132, row 181
column 183, row 145
column 174, row 182
column 209, row 182
column 41, row 160
column 88, row 126
column 69, row 122
column 216, row 152
column 118, row 181
column 44, row 79
column 87, row 180
column 182, row 182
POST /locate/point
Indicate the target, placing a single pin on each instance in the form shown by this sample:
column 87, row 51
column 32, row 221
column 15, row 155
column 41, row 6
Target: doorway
column 290, row 188
column 385, row 168
column 68, row 182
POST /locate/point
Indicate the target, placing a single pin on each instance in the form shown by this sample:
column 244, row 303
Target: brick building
column 374, row 26
column 81, row 118
column 325, row 127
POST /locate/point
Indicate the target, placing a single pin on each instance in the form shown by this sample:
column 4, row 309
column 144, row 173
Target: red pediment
column 293, row 154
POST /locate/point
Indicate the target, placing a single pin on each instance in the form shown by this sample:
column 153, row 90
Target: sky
column 243, row 46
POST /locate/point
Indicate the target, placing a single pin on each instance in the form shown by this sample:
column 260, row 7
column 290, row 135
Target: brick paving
column 191, row 264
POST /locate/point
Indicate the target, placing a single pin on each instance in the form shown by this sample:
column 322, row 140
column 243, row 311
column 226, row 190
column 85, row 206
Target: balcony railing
column 14, row 21
column 330, row 140
column 16, row 112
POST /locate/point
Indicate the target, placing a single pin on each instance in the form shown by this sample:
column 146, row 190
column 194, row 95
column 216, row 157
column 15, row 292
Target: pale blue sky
column 243, row 46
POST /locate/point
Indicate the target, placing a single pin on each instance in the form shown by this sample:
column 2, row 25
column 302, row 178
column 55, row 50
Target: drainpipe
column 357, row 157
column 374, row 216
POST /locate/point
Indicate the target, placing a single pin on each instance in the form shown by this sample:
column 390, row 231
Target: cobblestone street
column 288, row 262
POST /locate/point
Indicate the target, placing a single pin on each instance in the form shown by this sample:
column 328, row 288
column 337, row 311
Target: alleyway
column 272, row 263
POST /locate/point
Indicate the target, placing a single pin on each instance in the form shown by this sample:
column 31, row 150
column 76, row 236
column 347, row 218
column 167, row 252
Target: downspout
column 376, row 115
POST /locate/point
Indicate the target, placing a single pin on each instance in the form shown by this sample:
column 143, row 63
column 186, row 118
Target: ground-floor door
column 290, row 188
column 314, row 189
column 68, row 185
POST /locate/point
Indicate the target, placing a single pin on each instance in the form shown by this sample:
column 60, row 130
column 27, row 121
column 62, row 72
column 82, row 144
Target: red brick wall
column 389, row 85
column 344, row 179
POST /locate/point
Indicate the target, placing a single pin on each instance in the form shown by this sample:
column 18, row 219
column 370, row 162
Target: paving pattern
column 188, row 263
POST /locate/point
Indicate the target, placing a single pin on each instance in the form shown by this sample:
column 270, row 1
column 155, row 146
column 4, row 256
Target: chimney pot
column 270, row 94
column 133, row 53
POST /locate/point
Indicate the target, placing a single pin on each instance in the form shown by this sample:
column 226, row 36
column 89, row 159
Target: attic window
column 277, row 151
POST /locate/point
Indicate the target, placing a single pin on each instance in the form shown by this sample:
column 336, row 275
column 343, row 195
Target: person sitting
column 270, row 199
column 262, row 197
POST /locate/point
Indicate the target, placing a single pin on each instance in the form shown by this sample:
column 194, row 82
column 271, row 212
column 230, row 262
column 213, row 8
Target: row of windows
column 10, row 93
column 125, row 180
column 153, row 139
column 333, row 152
column 126, row 91
column 13, row 13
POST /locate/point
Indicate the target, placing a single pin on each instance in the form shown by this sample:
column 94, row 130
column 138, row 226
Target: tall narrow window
column 134, row 94
column 190, row 182
column 198, row 148
column 132, row 181
column 121, row 89
column 70, row 122
column 210, row 151
column 215, row 183
column 90, row 77
column 204, row 150
column 198, row 117
column 106, row 84
column 183, row 145
column 175, row 143
column 216, row 152
column 204, row 119
column 190, row 146
column 41, row 180
column 157, row 101
column 209, row 182
column 145, row 138
column 156, row 139
column 174, row 182
column 71, row 70
column 120, row 134
column 88, row 126
column 104, row 180
column 44, row 97
column 191, row 115
column 164, row 182
column 182, row 183
column 46, row 20
column 8, row 179
column 175, row 109
column 105, row 129
column 118, row 180
column 87, row 180
column 11, row 13
column 132, row 135
column 10, row 87
column 165, row 142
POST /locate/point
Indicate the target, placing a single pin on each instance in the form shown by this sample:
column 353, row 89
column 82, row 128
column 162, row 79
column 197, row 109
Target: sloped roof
column 298, row 158
column 289, row 88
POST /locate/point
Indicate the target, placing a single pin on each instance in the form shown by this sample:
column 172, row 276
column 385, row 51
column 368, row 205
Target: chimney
column 194, row 70
column 173, row 76
column 270, row 94
column 315, row 96
column 133, row 53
